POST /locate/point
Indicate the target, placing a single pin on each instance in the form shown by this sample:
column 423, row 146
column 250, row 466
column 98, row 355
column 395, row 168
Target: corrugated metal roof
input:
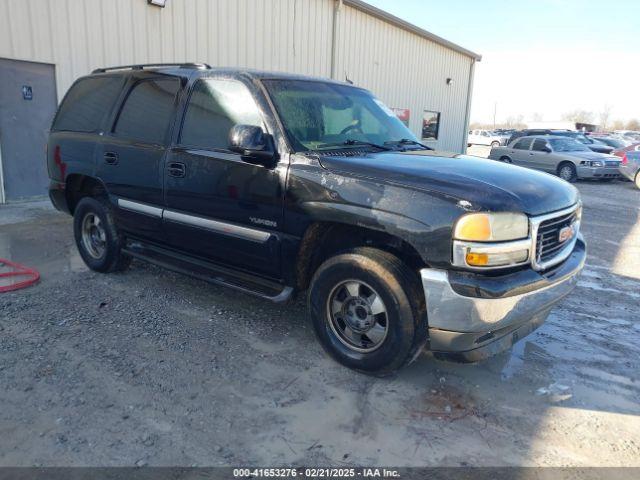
column 387, row 17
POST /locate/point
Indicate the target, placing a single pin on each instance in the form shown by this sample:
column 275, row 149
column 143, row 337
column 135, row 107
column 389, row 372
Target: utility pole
column 495, row 109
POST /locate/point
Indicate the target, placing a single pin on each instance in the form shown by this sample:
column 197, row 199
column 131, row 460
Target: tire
column 567, row 171
column 505, row 159
column 97, row 238
column 376, row 275
column 637, row 181
column 495, row 144
column 468, row 145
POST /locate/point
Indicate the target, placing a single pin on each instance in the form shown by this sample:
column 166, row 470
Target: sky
column 541, row 58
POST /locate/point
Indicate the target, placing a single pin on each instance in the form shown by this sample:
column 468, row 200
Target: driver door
column 218, row 206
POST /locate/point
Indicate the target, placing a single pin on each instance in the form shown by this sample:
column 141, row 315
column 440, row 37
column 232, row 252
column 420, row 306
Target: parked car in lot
column 277, row 184
column 633, row 147
column 592, row 144
column 486, row 137
column 630, row 166
column 611, row 141
column 563, row 156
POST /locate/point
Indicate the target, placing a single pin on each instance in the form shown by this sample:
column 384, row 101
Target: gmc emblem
column 565, row 234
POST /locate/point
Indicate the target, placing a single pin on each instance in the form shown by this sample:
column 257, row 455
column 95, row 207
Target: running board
column 209, row 272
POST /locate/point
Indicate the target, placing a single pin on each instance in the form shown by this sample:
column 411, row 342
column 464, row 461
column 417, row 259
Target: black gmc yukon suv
column 275, row 184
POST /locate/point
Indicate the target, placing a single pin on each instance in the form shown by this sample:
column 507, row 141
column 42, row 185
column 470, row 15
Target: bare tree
column 604, row 117
column 617, row 125
column 578, row 116
column 536, row 117
column 633, row 124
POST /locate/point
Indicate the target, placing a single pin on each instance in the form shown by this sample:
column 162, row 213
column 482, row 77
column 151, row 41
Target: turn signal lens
column 488, row 227
column 477, row 259
column 497, row 259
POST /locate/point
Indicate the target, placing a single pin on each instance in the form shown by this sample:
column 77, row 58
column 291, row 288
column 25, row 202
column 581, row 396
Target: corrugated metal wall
column 405, row 71
column 402, row 68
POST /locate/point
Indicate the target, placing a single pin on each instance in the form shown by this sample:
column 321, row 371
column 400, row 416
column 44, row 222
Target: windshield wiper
column 352, row 142
column 408, row 141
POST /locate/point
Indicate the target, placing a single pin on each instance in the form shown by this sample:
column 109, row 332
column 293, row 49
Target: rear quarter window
column 87, row 103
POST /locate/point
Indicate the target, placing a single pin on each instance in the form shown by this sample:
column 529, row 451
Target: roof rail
column 202, row 66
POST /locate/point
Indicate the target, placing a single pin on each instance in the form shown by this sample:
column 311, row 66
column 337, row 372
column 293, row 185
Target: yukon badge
column 263, row 221
column 565, row 234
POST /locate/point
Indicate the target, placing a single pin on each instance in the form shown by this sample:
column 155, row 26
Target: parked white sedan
column 486, row 137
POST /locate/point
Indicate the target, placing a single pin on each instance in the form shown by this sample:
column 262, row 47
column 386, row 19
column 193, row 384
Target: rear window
column 87, row 103
column 148, row 110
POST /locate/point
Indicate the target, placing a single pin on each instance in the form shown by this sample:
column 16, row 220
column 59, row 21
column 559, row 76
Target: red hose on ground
column 18, row 271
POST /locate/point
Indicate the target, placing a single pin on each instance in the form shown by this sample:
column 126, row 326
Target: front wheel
column 567, row 171
column 368, row 311
column 637, row 182
column 97, row 238
column 505, row 159
column 495, row 144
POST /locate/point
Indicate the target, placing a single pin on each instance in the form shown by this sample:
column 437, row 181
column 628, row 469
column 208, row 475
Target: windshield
column 567, row 145
column 318, row 115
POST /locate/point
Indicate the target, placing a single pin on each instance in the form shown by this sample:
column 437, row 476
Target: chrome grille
column 612, row 163
column 548, row 243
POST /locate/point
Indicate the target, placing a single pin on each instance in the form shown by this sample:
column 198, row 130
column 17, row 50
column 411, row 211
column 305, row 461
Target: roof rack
column 201, row 66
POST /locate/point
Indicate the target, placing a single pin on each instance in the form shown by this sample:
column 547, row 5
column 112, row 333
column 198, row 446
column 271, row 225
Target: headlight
column 491, row 227
column 491, row 240
column 596, row 163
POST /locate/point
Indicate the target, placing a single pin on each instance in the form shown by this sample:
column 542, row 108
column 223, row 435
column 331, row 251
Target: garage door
column 27, row 105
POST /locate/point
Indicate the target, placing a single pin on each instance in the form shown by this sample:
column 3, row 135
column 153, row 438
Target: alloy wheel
column 94, row 237
column 358, row 316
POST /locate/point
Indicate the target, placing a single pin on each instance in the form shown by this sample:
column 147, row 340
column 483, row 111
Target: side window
column 539, row 145
column 148, row 110
column 87, row 103
column 215, row 106
column 430, row 125
column 523, row 144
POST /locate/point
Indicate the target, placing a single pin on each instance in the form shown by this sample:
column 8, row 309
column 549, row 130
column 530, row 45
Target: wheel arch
column 324, row 239
column 79, row 185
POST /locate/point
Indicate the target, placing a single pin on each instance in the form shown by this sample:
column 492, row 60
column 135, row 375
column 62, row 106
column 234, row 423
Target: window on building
column 523, row 144
column 430, row 125
column 215, row 106
column 539, row 145
column 87, row 103
column 148, row 110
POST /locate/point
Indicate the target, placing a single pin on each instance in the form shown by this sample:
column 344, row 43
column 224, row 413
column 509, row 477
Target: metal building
column 46, row 44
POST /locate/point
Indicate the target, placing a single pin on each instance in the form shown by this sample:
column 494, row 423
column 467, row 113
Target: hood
column 587, row 155
column 487, row 184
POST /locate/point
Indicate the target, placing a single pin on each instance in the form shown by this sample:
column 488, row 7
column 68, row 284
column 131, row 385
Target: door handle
column 177, row 169
column 111, row 158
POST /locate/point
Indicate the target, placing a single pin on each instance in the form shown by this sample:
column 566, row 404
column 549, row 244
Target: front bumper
column 493, row 314
column 597, row 172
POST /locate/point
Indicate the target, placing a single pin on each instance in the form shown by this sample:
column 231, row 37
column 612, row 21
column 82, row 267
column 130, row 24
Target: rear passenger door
column 129, row 159
column 219, row 206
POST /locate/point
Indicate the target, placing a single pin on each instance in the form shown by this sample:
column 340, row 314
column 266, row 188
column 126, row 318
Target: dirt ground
column 149, row 367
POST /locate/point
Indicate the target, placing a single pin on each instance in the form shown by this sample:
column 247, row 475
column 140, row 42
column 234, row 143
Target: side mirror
column 252, row 143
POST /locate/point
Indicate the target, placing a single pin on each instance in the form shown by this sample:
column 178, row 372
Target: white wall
column 402, row 68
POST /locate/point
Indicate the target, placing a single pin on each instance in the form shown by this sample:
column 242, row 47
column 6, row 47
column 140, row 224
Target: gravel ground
column 151, row 367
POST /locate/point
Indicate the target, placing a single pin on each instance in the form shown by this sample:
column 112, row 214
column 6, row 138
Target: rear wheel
column 505, row 159
column 495, row 144
column 97, row 238
column 567, row 171
column 368, row 311
column 638, row 179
